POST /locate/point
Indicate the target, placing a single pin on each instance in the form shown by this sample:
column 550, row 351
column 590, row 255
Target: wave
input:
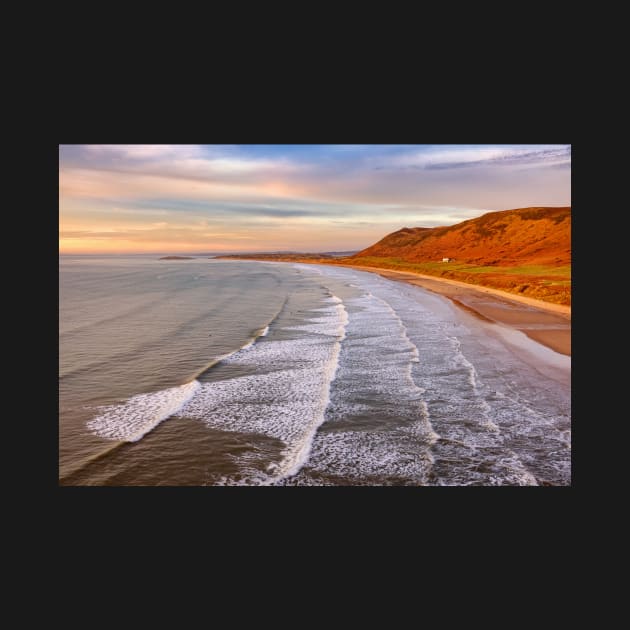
column 287, row 402
column 285, row 399
column 261, row 332
column 415, row 358
column 296, row 457
column 378, row 424
column 132, row 420
column 308, row 268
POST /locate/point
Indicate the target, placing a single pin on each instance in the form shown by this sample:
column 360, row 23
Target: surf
column 132, row 420
column 285, row 399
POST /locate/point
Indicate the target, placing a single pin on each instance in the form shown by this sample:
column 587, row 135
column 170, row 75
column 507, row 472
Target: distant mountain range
column 289, row 256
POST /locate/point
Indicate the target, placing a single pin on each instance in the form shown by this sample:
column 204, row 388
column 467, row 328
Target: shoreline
column 546, row 323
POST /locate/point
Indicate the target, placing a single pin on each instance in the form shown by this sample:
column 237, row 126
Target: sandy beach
column 544, row 322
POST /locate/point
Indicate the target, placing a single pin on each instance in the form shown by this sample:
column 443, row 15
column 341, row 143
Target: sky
column 161, row 198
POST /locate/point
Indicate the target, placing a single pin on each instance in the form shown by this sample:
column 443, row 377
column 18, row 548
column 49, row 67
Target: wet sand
column 546, row 323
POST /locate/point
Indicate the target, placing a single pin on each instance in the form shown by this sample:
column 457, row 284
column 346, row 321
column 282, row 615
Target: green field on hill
column 543, row 282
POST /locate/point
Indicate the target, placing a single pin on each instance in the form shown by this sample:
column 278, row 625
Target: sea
column 209, row 372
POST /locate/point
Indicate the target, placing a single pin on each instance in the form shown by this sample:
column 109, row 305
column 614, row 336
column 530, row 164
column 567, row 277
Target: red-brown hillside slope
column 526, row 236
column 526, row 251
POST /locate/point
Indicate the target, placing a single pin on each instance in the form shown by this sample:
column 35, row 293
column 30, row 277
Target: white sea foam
column 413, row 394
column 248, row 344
column 131, row 420
column 366, row 458
column 499, row 421
column 312, row 269
column 504, row 468
column 286, row 401
column 374, row 386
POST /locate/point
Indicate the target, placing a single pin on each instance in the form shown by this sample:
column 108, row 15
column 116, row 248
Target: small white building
column 447, row 259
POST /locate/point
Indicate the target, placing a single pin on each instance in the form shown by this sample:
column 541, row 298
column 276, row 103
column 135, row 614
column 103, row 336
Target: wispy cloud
column 467, row 157
column 293, row 195
column 547, row 157
column 144, row 151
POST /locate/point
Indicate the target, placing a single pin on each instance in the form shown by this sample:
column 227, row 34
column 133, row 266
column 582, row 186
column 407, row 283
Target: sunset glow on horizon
column 307, row 198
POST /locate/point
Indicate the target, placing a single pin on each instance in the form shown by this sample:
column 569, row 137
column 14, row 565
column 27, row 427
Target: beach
column 202, row 372
column 546, row 323
column 287, row 315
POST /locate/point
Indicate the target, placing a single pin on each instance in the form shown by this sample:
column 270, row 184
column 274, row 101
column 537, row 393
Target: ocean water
column 207, row 372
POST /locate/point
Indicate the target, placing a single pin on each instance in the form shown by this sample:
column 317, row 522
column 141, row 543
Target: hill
column 323, row 257
column 526, row 236
column 526, row 251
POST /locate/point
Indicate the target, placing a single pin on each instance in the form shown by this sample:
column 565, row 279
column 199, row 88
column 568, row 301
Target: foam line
column 374, row 365
column 132, row 420
column 285, row 399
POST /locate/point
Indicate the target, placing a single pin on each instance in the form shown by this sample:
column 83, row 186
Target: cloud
column 467, row 157
column 284, row 195
column 145, row 151
column 105, row 183
column 80, row 234
column 193, row 162
column 549, row 157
